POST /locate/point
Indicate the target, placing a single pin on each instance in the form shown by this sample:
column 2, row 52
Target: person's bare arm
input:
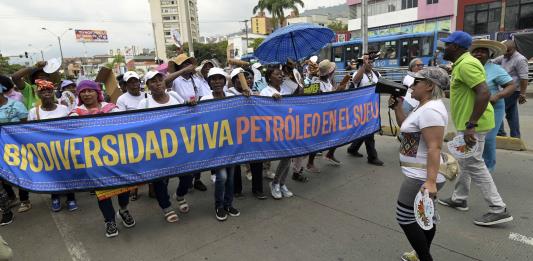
column 433, row 136
column 18, row 76
column 508, row 89
column 480, row 105
column 171, row 77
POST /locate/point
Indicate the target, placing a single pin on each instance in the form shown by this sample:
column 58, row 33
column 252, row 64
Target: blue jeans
column 224, row 187
column 511, row 114
column 489, row 152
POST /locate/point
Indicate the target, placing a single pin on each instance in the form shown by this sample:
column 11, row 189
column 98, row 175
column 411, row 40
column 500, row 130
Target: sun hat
column 495, row 48
column 180, row 59
column 326, row 67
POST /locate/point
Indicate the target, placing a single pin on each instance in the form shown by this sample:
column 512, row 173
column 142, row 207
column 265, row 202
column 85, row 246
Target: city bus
column 395, row 50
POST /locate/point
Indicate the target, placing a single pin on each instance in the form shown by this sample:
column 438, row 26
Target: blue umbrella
column 296, row 41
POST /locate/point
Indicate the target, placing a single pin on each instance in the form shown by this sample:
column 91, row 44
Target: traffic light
column 26, row 54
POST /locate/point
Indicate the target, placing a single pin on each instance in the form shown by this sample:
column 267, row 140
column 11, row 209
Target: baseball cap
column 216, row 71
column 435, row 74
column 151, row 74
column 131, row 74
column 460, row 38
column 236, row 71
column 66, row 83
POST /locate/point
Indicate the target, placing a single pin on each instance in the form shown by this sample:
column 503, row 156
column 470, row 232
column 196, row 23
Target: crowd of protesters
column 481, row 92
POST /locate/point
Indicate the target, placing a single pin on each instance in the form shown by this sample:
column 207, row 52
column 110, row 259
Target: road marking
column 75, row 247
column 521, row 238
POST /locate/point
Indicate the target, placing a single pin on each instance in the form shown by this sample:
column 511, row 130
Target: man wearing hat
column 130, row 100
column 497, row 78
column 473, row 117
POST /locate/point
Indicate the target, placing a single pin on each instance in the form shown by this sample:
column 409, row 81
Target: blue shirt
column 496, row 77
column 13, row 111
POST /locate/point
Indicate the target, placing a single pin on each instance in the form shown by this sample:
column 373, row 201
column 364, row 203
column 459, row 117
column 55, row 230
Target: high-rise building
column 168, row 15
column 261, row 24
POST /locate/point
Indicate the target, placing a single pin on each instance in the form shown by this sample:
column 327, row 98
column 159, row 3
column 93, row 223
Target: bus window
column 357, row 52
column 337, row 54
column 440, row 44
column 404, row 54
column 427, row 46
column 388, row 50
column 349, row 53
column 414, row 48
column 374, row 47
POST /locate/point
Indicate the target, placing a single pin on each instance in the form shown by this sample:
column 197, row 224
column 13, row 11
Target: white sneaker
column 286, row 192
column 249, row 175
column 275, row 190
column 213, row 178
column 270, row 174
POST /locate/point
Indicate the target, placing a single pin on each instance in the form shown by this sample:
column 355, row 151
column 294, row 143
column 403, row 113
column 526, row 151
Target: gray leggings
column 284, row 166
column 404, row 209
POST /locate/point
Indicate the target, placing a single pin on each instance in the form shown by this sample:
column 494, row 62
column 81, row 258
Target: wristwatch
column 470, row 125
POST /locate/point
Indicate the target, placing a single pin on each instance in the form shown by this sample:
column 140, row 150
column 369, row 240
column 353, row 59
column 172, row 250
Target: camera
column 371, row 56
column 390, row 87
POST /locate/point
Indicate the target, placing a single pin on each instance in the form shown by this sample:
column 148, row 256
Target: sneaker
column 410, row 256
column 56, row 205
column 199, row 185
column 249, row 175
column 24, row 206
column 127, row 219
column 220, row 214
column 213, row 178
column 376, row 162
column 270, row 174
column 333, row 160
column 232, row 211
column 354, row 153
column 276, row 191
column 490, row 219
column 7, row 218
column 312, row 169
column 459, row 205
column 72, row 205
column 111, row 229
column 260, row 195
column 286, row 192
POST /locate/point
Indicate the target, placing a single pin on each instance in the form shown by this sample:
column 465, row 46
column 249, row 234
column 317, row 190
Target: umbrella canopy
column 296, row 41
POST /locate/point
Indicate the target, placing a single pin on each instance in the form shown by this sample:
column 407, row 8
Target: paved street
column 343, row 213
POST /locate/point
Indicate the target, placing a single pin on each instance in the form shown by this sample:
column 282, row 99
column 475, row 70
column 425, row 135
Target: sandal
column 171, row 216
column 182, row 205
column 299, row 177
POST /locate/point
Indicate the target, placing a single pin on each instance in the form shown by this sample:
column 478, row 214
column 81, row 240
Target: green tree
column 6, row 68
column 202, row 51
column 338, row 27
column 277, row 8
column 256, row 42
column 117, row 59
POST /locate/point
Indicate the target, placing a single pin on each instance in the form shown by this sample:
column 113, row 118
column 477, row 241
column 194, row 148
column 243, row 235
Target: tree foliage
column 8, row 69
column 277, row 8
column 338, row 27
column 202, row 51
column 117, row 59
column 256, row 42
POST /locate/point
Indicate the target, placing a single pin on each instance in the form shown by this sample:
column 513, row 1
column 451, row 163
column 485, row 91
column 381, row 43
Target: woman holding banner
column 278, row 189
column 224, row 181
column 49, row 109
column 91, row 101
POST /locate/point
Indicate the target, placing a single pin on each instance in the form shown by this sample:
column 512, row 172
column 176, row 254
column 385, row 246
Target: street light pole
column 364, row 25
column 60, row 47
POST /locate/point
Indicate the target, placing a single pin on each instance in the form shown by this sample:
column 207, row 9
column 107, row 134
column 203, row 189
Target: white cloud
column 127, row 23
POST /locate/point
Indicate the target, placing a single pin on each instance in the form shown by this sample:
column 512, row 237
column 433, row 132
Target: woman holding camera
column 420, row 154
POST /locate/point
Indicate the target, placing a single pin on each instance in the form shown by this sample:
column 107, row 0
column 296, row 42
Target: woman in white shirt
column 49, row 109
column 420, row 154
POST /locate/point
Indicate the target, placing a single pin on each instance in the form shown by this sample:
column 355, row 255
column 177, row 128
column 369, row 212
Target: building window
column 482, row 18
column 409, row 4
column 430, row 2
column 518, row 14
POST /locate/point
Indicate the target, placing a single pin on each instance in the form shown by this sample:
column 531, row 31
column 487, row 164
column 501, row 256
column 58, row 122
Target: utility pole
column 60, row 47
column 246, row 31
column 189, row 31
column 155, row 43
column 364, row 25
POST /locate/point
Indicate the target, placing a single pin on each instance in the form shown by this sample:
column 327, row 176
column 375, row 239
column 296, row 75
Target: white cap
column 256, row 65
column 314, row 59
column 130, row 74
column 236, row 71
column 215, row 71
column 151, row 74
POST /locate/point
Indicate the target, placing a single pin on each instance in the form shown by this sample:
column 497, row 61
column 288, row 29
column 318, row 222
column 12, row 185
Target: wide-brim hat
column 178, row 60
column 326, row 67
column 495, row 47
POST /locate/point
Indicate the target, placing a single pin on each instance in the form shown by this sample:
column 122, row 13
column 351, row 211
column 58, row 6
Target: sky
column 127, row 23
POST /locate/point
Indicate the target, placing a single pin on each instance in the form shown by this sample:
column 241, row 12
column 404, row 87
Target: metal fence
column 391, row 73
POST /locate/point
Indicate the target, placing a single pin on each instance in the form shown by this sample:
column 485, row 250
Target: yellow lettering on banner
column 75, row 152
column 165, row 144
column 122, row 149
column 24, row 157
column 63, row 154
column 140, row 147
column 152, row 146
column 55, row 157
column 211, row 136
column 106, row 140
column 11, row 154
column 200, row 137
column 92, row 152
column 34, row 154
column 189, row 142
column 225, row 134
column 45, row 156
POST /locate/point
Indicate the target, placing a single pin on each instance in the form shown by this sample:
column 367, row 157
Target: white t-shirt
column 68, row 98
column 149, row 101
column 185, row 88
column 269, row 91
column 326, row 86
column 365, row 81
column 60, row 111
column 233, row 91
column 128, row 102
column 413, row 148
column 211, row 97
column 288, row 86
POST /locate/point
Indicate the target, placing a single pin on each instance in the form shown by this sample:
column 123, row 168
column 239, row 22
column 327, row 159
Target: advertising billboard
column 91, row 36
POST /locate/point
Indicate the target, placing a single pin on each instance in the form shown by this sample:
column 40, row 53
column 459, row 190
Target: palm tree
column 277, row 8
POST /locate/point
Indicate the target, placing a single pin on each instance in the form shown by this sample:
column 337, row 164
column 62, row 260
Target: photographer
column 365, row 76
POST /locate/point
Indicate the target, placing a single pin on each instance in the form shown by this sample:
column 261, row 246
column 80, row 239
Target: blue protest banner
column 113, row 150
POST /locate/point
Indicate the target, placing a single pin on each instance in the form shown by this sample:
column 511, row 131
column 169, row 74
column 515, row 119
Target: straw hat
column 495, row 48
column 326, row 67
column 178, row 60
